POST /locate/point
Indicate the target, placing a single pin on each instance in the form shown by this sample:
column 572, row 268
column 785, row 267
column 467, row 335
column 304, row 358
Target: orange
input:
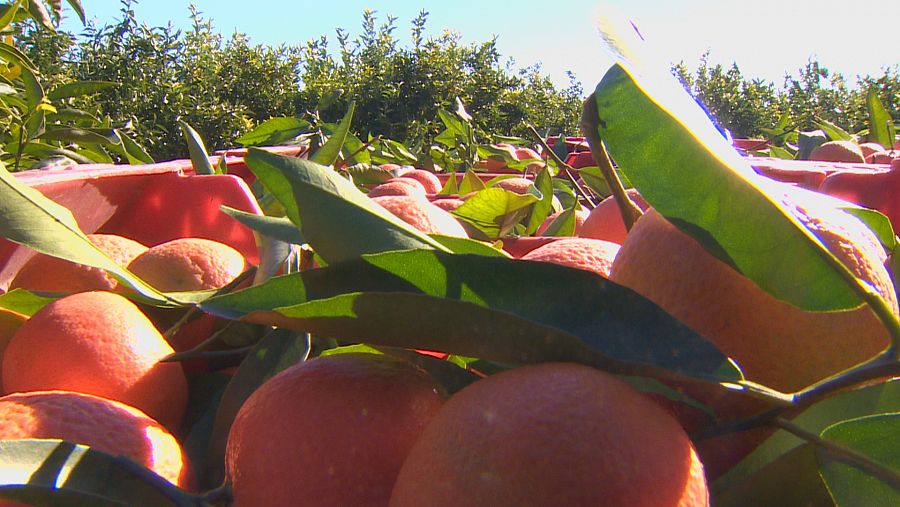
column 605, row 221
column 10, row 321
column 838, row 151
column 97, row 343
column 422, row 215
column 551, row 434
column 46, row 273
column 105, row 425
column 189, row 264
column 517, row 185
column 775, row 343
column 448, row 203
column 588, row 254
column 398, row 186
column 332, row 431
column 429, row 181
column 581, row 215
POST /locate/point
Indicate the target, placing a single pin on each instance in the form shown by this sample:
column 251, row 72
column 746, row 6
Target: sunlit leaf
column 197, row 149
column 275, row 131
column 329, row 153
column 79, row 88
column 495, row 211
column 881, row 125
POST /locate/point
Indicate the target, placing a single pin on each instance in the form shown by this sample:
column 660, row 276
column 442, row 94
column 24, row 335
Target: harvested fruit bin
column 151, row 203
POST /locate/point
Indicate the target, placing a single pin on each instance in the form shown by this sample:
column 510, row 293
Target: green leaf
column 806, row 142
column 782, row 153
column 881, row 125
column 469, row 246
column 79, row 10
column 135, row 153
column 31, row 219
column 278, row 350
column 24, row 302
column 878, row 223
column 275, row 131
column 367, row 174
column 834, row 132
column 470, row 183
column 8, row 14
column 495, row 211
column 280, row 228
column 450, row 187
column 559, row 147
column 720, row 201
column 876, row 437
column 14, row 55
column 82, row 136
column 196, row 148
column 563, row 225
column 54, row 472
column 79, row 89
column 544, row 207
column 593, row 177
column 329, row 153
column 874, row 399
column 338, row 220
column 503, row 311
column 39, row 13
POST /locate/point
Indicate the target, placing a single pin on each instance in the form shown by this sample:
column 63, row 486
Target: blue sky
column 766, row 38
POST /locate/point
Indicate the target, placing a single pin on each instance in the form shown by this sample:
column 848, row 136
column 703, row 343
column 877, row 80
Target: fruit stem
column 843, row 453
column 566, row 168
column 589, row 127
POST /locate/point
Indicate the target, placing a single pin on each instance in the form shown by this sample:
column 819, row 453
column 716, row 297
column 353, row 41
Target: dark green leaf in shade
column 54, row 472
column 275, row 131
column 806, row 143
column 368, row 174
column 877, row 437
column 666, row 145
column 338, row 220
column 79, row 135
column 505, row 311
column 563, row 225
column 834, row 132
column 79, row 89
column 278, row 350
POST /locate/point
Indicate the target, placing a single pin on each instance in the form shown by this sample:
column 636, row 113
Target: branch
column 567, row 169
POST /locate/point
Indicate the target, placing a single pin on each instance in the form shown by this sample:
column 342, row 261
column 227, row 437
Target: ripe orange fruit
column 588, row 254
column 870, row 148
column 97, row 343
column 517, row 185
column 398, row 186
column 105, row 425
column 46, row 273
column 605, row 221
column 189, row 264
column 838, row 151
column 422, row 215
column 551, row 434
column 429, row 181
column 448, row 203
column 775, row 343
column 332, row 431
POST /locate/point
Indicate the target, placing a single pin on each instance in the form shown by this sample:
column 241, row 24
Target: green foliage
column 752, row 108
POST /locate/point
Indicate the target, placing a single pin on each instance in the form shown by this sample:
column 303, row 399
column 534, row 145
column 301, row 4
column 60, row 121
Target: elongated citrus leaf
column 687, row 170
column 329, row 153
column 39, row 13
column 276, row 351
column 874, row 399
column 13, row 55
column 275, row 131
column 834, row 132
column 336, row 218
column 23, row 302
column 8, row 14
column 280, row 228
column 470, row 183
column 55, row 472
column 31, row 219
column 876, row 438
column 79, row 10
column 495, row 211
column 78, row 135
column 505, row 310
column 469, row 246
column 450, row 187
column 79, row 88
column 135, row 153
column 881, row 125
column 544, row 207
column 197, row 150
column 563, row 225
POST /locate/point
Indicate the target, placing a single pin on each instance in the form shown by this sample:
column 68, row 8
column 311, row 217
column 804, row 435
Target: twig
column 567, row 169
column 843, row 453
column 589, row 118
column 361, row 149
